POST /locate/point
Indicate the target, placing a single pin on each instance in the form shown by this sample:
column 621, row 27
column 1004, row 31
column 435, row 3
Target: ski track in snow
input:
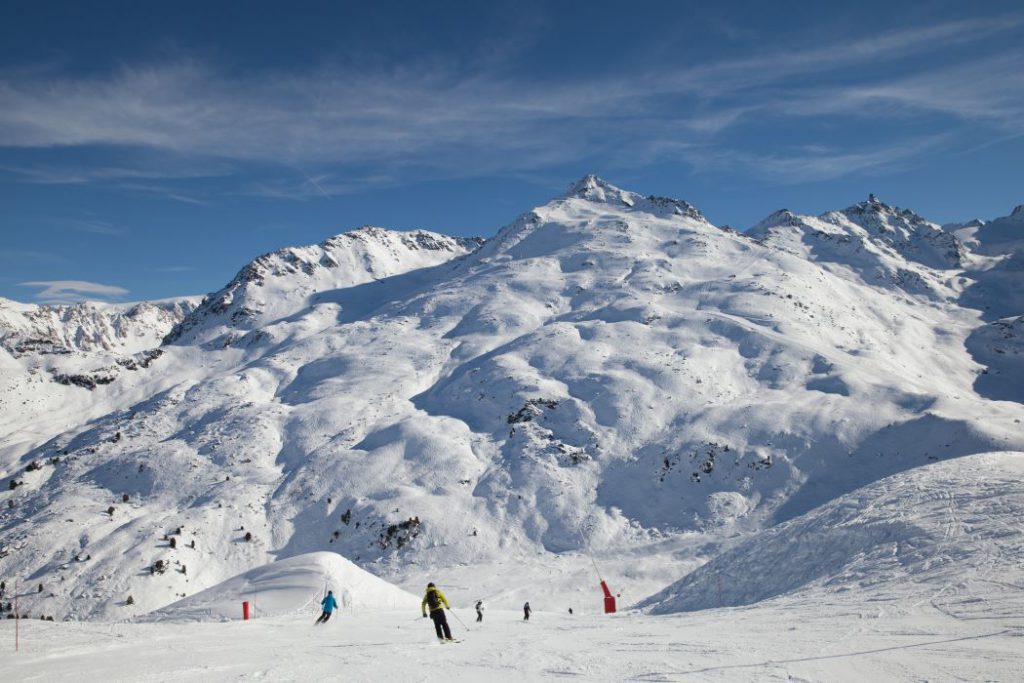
column 777, row 642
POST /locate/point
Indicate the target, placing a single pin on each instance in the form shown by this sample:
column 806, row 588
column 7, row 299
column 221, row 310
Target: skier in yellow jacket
column 435, row 600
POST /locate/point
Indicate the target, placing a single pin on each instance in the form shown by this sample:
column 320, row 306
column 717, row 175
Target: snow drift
column 287, row 587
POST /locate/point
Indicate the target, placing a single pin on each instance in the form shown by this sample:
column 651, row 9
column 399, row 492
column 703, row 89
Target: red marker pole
column 245, row 610
column 609, row 599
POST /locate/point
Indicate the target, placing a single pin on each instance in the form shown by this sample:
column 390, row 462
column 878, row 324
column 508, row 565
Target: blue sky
column 150, row 150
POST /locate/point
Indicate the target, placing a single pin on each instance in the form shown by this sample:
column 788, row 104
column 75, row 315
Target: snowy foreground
column 915, row 577
column 787, row 640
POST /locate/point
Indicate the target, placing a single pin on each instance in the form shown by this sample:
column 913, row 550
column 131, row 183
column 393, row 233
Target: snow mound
column 289, row 586
column 949, row 531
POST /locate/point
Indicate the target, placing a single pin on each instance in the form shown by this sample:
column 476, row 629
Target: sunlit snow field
column 788, row 640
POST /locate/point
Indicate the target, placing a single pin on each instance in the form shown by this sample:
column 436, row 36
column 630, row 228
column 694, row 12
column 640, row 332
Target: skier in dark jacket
column 329, row 604
column 526, row 612
column 479, row 610
column 435, row 600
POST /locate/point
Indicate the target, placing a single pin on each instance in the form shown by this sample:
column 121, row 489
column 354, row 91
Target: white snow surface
column 295, row 585
column 784, row 641
column 914, row 577
column 947, row 534
column 612, row 383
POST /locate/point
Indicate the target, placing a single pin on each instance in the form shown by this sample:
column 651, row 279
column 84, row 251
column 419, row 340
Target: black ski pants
column 441, row 624
column 323, row 618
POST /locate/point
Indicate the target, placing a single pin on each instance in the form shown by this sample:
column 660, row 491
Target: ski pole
column 457, row 619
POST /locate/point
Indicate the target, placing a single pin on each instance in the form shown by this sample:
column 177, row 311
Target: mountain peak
column 780, row 217
column 875, row 211
column 1018, row 212
column 871, row 205
column 594, row 189
column 597, row 190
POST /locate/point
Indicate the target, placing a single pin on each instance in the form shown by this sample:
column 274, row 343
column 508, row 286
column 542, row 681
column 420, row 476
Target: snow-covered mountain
column 996, row 266
column 871, row 242
column 49, row 353
column 280, row 284
column 611, row 374
column 994, row 278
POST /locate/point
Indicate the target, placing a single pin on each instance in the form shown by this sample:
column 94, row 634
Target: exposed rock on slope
column 52, row 356
column 88, row 327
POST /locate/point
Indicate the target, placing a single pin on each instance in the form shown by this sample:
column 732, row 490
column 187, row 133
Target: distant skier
column 570, row 611
column 437, row 602
column 526, row 612
column 479, row 611
column 329, row 604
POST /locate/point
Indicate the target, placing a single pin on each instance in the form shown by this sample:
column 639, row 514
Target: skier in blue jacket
column 329, row 604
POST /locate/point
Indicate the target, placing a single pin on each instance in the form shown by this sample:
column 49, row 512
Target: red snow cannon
column 609, row 599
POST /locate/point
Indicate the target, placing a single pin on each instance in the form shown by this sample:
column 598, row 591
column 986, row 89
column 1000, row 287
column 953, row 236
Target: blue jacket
column 329, row 603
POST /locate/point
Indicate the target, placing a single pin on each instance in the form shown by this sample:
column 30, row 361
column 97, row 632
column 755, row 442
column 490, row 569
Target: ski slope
column 781, row 642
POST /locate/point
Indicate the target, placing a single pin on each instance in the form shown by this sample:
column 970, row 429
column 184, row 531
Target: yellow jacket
column 442, row 601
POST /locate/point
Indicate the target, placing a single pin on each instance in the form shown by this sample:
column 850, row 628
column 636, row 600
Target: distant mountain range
column 610, row 373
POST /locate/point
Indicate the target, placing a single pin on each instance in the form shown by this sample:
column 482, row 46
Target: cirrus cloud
column 332, row 128
column 70, row 291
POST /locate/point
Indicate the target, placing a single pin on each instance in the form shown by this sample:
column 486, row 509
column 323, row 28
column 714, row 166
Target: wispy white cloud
column 986, row 90
column 776, row 66
column 75, row 173
column 96, row 227
column 70, row 291
column 815, row 163
column 385, row 123
column 21, row 255
column 166, row 191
